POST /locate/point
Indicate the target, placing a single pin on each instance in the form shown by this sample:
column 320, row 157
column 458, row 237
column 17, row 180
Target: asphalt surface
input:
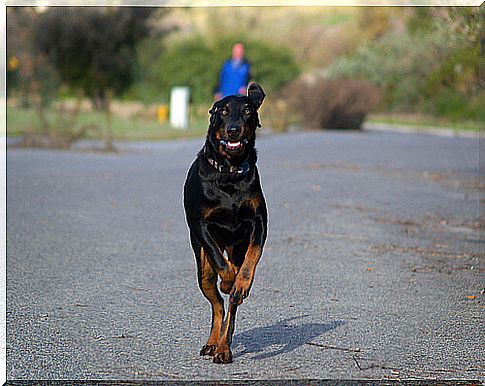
column 373, row 266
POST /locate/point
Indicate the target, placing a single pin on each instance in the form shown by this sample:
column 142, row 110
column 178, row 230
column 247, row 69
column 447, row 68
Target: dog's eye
column 224, row 112
column 247, row 111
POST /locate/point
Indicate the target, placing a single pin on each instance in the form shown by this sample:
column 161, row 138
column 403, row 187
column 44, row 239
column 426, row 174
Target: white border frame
column 157, row 3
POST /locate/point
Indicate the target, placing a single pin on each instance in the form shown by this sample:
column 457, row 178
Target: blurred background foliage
column 195, row 62
column 431, row 66
column 416, row 60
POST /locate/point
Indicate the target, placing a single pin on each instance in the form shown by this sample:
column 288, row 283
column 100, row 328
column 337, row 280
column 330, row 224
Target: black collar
column 243, row 169
column 221, row 168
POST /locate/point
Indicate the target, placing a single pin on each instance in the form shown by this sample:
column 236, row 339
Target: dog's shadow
column 284, row 336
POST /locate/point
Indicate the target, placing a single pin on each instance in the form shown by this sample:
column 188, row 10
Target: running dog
column 226, row 212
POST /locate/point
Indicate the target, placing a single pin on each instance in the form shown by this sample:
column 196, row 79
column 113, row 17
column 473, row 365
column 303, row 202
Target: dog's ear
column 216, row 106
column 256, row 94
column 214, row 118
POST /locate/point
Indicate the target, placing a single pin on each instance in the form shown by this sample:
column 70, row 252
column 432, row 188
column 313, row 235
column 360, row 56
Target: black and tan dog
column 226, row 212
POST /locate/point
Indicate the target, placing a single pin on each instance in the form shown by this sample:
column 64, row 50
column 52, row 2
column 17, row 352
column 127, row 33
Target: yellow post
column 162, row 113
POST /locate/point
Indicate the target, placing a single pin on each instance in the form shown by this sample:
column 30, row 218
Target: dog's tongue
column 233, row 145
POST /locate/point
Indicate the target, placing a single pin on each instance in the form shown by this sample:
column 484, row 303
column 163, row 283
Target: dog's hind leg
column 207, row 278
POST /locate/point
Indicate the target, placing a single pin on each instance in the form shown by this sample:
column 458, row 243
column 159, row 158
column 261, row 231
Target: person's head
column 238, row 51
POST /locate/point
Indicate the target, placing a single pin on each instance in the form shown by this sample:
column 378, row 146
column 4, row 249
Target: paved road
column 371, row 270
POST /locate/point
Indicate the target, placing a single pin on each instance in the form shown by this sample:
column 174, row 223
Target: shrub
column 196, row 62
column 332, row 103
column 398, row 64
column 453, row 91
column 459, row 73
column 432, row 67
column 188, row 63
column 457, row 107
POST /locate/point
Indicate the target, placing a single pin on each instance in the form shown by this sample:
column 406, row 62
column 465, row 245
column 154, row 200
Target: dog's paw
column 208, row 349
column 223, row 357
column 240, row 291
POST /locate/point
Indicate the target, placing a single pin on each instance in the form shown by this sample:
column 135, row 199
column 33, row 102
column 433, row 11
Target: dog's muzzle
column 233, row 145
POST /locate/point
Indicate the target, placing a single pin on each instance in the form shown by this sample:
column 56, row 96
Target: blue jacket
column 233, row 76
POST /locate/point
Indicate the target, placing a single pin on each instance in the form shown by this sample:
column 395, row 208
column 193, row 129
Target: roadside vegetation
column 322, row 67
column 21, row 121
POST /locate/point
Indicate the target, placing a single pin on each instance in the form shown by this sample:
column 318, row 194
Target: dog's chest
column 230, row 206
column 229, row 212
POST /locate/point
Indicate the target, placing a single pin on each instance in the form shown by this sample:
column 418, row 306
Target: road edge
column 412, row 129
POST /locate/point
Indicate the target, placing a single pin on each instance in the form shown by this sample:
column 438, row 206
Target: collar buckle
column 244, row 168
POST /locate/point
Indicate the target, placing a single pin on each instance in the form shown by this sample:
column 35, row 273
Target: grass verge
column 21, row 121
column 424, row 121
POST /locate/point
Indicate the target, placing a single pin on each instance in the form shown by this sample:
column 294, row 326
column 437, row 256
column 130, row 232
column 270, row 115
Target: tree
column 30, row 76
column 92, row 50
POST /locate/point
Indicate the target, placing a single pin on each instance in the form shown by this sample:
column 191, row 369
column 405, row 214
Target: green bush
column 146, row 73
column 452, row 90
column 188, row 63
column 399, row 64
column 458, row 73
column 457, row 107
column 430, row 68
column 196, row 62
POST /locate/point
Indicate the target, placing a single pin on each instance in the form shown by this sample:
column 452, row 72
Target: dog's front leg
column 245, row 275
column 240, row 289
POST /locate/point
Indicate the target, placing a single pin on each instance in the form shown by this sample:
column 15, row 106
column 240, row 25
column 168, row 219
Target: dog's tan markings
column 226, row 288
column 221, row 151
column 254, row 202
column 207, row 212
column 209, row 289
column 227, row 277
column 223, row 352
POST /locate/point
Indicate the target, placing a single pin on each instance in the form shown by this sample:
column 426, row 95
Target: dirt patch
column 455, row 180
column 336, row 165
column 435, row 259
column 436, row 223
column 415, row 250
column 358, row 208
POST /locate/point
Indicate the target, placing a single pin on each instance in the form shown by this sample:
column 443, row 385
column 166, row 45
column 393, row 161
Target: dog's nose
column 233, row 131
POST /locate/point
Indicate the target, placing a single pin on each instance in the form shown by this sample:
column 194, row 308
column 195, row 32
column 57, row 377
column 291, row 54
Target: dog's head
column 233, row 122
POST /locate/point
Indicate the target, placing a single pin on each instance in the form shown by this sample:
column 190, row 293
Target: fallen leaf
column 370, row 269
column 471, row 297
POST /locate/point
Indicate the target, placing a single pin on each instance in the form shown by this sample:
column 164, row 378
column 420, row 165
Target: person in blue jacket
column 235, row 74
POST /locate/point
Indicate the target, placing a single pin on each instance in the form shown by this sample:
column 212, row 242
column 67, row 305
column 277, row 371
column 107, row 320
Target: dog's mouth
column 233, row 146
